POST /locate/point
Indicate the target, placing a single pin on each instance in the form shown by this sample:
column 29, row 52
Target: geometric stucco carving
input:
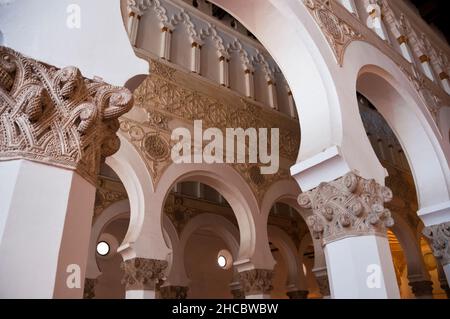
column 143, row 274
column 57, row 117
column 439, row 237
column 168, row 95
column 256, row 281
column 338, row 33
column 349, row 206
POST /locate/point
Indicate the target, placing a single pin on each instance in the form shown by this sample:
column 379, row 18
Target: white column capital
column 347, row 207
column 439, row 237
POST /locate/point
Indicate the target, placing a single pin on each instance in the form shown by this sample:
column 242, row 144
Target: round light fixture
column 103, row 248
column 222, row 261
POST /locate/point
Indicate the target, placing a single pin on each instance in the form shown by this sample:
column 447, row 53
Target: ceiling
column 435, row 13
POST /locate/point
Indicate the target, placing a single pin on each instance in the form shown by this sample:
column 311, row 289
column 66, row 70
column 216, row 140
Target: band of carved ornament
column 143, row 274
column 57, row 117
column 439, row 237
column 349, row 206
column 256, row 281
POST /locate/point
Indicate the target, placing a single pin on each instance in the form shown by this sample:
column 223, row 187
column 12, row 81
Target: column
column 56, row 128
column 350, row 6
column 166, row 41
column 273, row 103
column 404, row 48
column 422, row 289
column 256, row 283
column 249, row 83
column 173, row 292
column 426, row 66
column 445, row 80
column 322, row 281
column 141, row 277
column 292, row 108
column 195, row 57
column 350, row 219
column 89, row 288
column 223, row 70
column 439, row 236
column 375, row 21
column 133, row 26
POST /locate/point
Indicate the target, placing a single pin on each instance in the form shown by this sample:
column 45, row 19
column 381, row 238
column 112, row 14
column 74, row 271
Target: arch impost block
column 347, row 207
column 56, row 116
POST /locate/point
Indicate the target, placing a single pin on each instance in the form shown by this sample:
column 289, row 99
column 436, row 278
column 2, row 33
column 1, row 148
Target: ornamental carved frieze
column 348, row 206
column 439, row 237
column 108, row 192
column 256, row 281
column 57, row 117
column 143, row 274
column 338, row 33
column 171, row 97
column 173, row 292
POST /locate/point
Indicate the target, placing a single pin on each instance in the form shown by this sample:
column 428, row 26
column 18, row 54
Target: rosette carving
column 57, row 117
column 143, row 274
column 348, row 206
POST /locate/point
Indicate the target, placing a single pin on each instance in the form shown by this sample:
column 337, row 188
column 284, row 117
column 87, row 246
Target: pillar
column 445, row 81
column 426, row 66
column 405, row 49
column 375, row 21
column 350, row 219
column 256, row 283
column 133, row 26
column 249, row 83
column 422, row 289
column 350, row 6
column 195, row 57
column 443, row 281
column 56, row 127
column 439, row 236
column 273, row 102
column 224, row 62
column 141, row 277
column 166, row 42
column 173, row 292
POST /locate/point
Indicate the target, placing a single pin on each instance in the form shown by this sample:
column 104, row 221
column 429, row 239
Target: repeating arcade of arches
column 427, row 154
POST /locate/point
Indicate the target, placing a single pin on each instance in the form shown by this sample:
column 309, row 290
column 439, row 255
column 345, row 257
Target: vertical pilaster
column 249, row 83
column 166, row 42
column 224, row 71
column 195, row 57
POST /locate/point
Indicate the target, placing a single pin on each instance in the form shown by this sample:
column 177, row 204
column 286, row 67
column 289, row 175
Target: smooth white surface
column 38, row 234
column 100, row 47
column 140, row 294
column 348, row 262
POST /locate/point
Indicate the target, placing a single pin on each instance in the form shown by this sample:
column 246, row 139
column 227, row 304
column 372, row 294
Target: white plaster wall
column 100, row 47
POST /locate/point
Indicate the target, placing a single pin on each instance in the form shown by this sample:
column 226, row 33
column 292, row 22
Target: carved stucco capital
column 56, row 116
column 439, row 236
column 143, row 274
column 256, row 281
column 173, row 292
column 349, row 206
